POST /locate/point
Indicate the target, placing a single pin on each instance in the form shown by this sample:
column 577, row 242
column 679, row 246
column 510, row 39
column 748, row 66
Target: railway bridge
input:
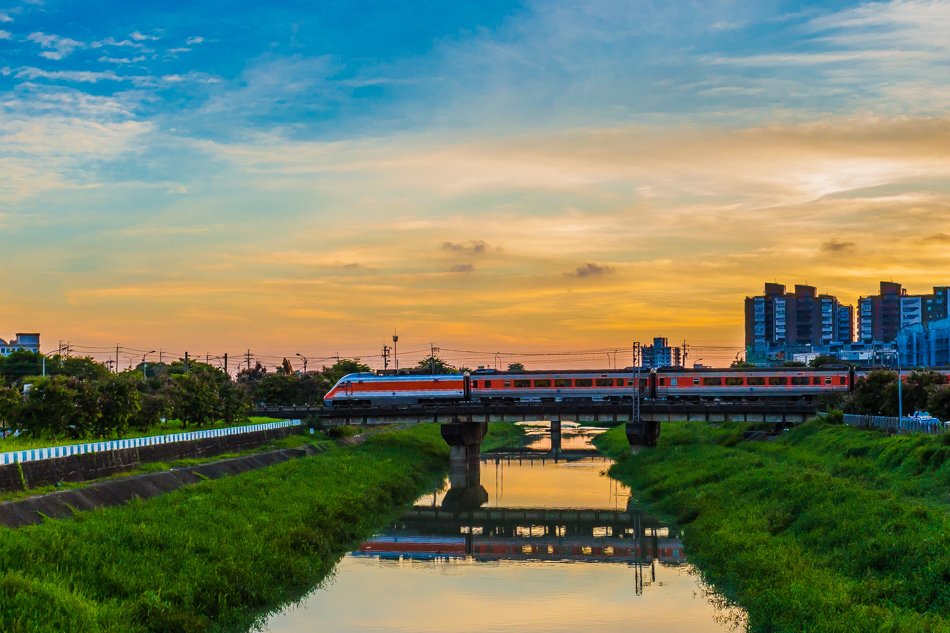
column 464, row 423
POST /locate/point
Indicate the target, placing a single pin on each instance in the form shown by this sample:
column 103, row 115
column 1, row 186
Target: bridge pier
column 465, row 442
column 556, row 437
column 643, row 432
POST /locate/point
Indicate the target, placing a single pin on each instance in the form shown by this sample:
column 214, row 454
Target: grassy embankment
column 827, row 529
column 217, row 555
column 22, row 443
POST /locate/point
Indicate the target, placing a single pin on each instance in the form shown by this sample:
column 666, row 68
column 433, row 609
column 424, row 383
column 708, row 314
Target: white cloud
column 82, row 76
column 194, row 40
column 55, row 47
column 122, row 60
column 141, row 37
column 4, row 17
column 5, row 35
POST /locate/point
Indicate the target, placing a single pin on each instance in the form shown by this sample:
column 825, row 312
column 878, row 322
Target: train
column 603, row 386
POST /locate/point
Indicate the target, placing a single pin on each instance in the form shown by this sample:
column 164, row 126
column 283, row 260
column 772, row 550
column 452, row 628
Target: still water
column 525, row 543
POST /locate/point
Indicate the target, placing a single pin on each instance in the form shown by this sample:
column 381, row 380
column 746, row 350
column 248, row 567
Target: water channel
column 530, row 544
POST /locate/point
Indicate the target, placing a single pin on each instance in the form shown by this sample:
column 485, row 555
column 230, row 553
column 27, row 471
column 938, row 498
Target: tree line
column 78, row 397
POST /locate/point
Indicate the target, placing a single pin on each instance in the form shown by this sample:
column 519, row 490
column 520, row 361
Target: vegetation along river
column 525, row 544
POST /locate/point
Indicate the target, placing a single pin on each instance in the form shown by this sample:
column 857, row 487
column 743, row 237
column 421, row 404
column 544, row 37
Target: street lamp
column 145, row 365
column 304, row 362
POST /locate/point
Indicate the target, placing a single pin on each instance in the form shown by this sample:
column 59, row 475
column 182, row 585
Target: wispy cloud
column 82, row 76
column 5, row 17
column 55, row 47
column 590, row 269
column 462, row 268
column 197, row 39
column 5, row 35
column 837, row 246
column 473, row 247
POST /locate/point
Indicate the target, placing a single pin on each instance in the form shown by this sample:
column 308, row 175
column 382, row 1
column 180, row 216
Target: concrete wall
column 114, row 492
column 95, row 465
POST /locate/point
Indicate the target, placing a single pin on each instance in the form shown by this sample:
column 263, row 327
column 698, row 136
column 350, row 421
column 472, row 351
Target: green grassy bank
column 826, row 529
column 217, row 555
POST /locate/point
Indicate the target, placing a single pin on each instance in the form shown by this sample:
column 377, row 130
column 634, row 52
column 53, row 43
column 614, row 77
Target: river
column 529, row 543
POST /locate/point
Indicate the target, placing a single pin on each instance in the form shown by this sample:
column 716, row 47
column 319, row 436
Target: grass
column 218, row 555
column 826, row 529
column 22, row 443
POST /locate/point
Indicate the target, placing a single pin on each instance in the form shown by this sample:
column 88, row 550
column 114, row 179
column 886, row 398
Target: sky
column 493, row 177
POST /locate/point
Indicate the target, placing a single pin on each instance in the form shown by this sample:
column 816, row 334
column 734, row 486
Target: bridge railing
column 896, row 425
column 52, row 452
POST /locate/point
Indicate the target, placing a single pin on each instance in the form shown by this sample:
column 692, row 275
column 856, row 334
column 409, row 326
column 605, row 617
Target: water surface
column 526, row 543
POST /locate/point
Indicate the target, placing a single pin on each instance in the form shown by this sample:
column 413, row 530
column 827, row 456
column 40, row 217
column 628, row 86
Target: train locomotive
column 609, row 386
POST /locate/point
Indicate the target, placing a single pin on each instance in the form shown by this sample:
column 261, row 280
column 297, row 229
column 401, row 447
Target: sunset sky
column 489, row 176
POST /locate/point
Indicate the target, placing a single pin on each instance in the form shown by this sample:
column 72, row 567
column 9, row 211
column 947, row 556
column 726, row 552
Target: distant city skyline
column 526, row 176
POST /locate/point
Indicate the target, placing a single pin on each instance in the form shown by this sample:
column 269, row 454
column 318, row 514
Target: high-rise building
column 660, row 354
column 881, row 316
column 778, row 319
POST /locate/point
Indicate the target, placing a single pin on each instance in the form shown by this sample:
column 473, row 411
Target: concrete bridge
column 641, row 431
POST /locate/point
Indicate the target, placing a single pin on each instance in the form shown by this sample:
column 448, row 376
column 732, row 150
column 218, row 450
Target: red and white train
column 367, row 389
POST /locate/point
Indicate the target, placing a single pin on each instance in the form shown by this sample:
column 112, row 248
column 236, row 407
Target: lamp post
column 304, row 361
column 145, row 365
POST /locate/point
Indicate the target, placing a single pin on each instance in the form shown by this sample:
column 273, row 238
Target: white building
column 28, row 341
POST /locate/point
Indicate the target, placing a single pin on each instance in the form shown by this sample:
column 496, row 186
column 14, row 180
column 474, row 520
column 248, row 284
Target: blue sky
column 166, row 155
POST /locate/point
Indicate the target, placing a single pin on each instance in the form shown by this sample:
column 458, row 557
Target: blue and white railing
column 52, row 452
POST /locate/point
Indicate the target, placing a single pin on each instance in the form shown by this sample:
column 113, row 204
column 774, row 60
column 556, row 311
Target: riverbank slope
column 218, row 555
column 827, row 528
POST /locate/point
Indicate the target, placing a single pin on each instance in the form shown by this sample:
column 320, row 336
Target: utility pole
column 116, row 358
column 432, row 350
column 186, row 361
column 685, row 352
column 636, row 382
column 386, row 349
column 247, row 357
column 161, row 356
column 226, row 363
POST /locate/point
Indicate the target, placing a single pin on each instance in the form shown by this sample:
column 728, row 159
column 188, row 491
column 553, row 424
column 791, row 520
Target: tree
column 343, row 367
column 9, row 405
column 82, row 367
column 916, row 389
column 120, row 403
column 279, row 389
column 741, row 363
column 255, row 375
column 432, row 364
column 285, row 368
column 233, row 402
column 876, row 394
column 938, row 401
column 195, row 395
column 515, row 367
column 50, row 408
column 823, row 360
column 20, row 364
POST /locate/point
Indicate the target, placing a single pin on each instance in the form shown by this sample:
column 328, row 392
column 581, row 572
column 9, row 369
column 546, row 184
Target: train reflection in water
column 455, row 526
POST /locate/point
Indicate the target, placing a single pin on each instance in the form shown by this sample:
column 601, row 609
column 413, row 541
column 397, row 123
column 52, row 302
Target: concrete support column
column 556, row 437
column 464, row 439
column 643, row 432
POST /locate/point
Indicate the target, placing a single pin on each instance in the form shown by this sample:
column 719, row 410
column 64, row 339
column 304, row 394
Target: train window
column 562, row 382
column 799, row 380
column 673, row 382
column 827, row 380
column 662, row 381
column 583, row 382
column 487, row 384
column 712, row 382
column 605, row 382
column 696, row 381
column 734, row 381
column 777, row 381
column 522, row 384
column 816, row 380
column 474, row 384
column 542, row 383
column 507, row 383
column 755, row 381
